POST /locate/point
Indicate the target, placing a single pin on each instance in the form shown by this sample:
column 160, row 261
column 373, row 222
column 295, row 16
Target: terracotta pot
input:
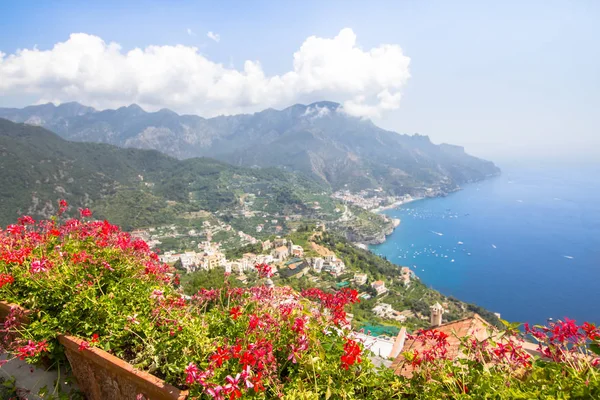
column 101, row 375
column 5, row 308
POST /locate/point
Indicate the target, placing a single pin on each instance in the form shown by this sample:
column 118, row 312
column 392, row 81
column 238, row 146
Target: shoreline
column 396, row 204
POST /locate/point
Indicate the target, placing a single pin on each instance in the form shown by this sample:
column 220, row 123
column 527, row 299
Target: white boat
column 494, row 246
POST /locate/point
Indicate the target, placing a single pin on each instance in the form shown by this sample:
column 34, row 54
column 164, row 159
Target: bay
column 525, row 244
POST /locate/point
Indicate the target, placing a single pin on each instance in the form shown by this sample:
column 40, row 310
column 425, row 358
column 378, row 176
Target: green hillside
column 131, row 187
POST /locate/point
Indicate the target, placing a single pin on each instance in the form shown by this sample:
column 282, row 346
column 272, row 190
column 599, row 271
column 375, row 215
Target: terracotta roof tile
column 474, row 326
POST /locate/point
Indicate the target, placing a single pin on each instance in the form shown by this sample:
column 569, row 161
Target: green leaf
column 595, row 347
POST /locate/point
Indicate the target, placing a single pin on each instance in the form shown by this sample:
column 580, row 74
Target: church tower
column 436, row 315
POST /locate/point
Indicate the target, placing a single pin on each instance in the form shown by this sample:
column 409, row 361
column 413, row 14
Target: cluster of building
column 208, row 258
column 384, row 310
column 284, row 252
column 329, row 263
column 369, row 198
column 378, row 286
column 153, row 236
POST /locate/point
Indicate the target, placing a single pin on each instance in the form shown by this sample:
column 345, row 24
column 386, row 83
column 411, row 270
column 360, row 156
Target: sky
column 507, row 80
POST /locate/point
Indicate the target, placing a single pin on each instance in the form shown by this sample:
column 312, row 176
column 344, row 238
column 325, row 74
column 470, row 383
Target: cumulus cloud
column 214, row 36
column 87, row 69
column 190, row 32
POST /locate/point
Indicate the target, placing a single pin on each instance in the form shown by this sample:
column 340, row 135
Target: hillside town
column 281, row 253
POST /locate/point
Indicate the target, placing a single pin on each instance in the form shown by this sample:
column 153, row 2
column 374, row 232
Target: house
column 384, row 310
column 297, row 251
column 267, row 245
column 279, row 242
column 405, row 275
column 168, row 257
column 296, row 267
column 317, row 264
column 475, row 327
column 264, row 259
column 339, row 266
column 360, row 279
column 212, row 260
column 280, row 253
column 379, row 287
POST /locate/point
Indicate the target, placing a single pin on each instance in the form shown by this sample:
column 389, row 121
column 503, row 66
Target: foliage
column 89, row 279
column 238, row 252
column 130, row 187
column 193, row 282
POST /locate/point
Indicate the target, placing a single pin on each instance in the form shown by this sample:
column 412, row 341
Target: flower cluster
column 567, row 342
column 31, row 349
column 433, row 347
column 335, row 303
column 264, row 270
column 351, row 354
column 6, row 279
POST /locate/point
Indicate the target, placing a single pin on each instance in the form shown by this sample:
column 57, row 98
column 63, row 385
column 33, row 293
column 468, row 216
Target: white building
column 379, row 287
column 360, row 279
column 297, row 251
column 317, row 264
column 384, row 310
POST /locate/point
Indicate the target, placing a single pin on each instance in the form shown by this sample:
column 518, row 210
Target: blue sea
column 525, row 244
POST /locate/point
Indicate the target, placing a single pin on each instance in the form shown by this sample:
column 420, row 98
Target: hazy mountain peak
column 333, row 106
column 135, row 107
column 166, row 111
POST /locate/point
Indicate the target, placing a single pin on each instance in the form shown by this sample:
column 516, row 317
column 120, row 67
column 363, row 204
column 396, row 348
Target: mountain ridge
column 318, row 139
column 38, row 167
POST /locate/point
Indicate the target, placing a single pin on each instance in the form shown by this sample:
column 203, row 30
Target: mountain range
column 130, row 187
column 318, row 139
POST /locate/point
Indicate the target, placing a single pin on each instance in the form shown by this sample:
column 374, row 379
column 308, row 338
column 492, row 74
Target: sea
column 525, row 244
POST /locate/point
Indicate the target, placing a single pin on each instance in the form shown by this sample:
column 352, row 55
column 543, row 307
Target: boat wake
column 437, row 233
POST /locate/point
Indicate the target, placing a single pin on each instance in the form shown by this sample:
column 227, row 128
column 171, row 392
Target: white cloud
column 190, row 32
column 84, row 68
column 214, row 36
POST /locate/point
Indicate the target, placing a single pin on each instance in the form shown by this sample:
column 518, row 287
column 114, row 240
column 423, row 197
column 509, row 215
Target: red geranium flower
column 235, row 312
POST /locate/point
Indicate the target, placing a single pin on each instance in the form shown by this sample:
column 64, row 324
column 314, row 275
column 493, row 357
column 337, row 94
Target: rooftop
column 474, row 326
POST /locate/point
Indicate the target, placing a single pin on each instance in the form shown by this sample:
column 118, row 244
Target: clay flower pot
column 101, row 375
column 5, row 309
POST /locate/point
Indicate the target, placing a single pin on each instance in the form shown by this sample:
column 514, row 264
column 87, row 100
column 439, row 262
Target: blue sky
column 504, row 79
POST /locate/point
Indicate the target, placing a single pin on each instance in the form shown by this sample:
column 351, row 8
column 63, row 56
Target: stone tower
column 436, row 314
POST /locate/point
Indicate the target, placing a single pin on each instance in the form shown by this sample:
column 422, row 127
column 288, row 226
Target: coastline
column 396, row 204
